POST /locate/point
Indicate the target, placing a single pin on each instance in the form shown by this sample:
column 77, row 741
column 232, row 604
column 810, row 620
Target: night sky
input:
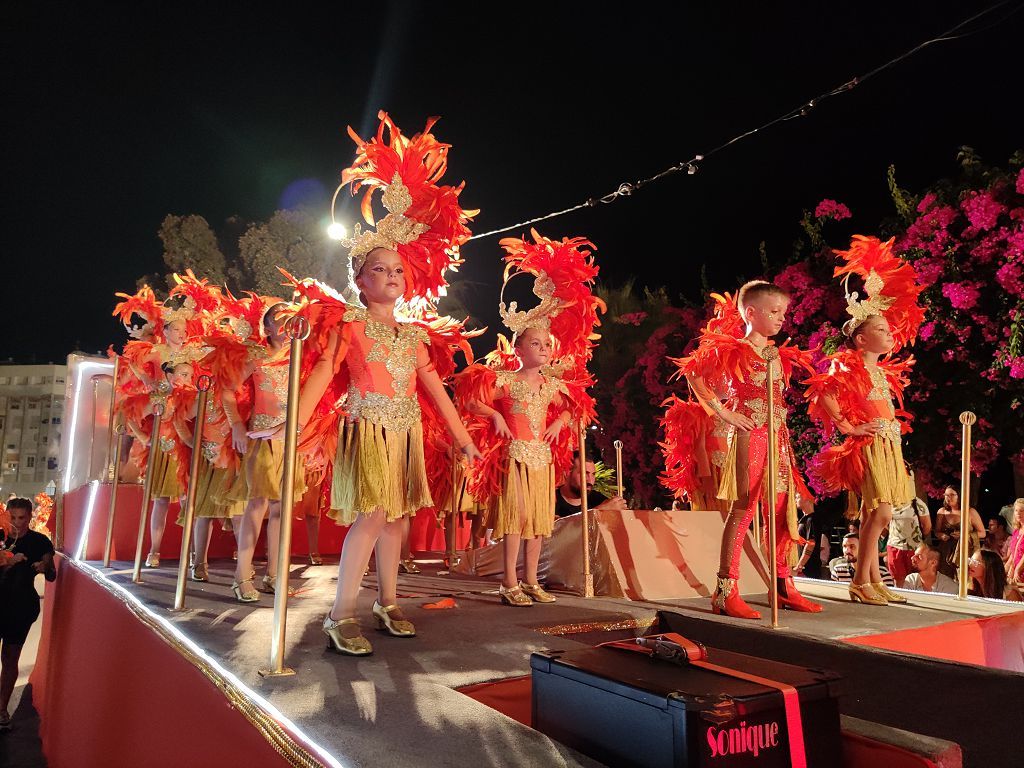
column 113, row 119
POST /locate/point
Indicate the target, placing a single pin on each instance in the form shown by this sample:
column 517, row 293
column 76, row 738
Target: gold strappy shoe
column 514, row 596
column 888, row 594
column 315, row 558
column 865, row 593
column 249, row 595
column 537, row 593
column 390, row 619
column 408, row 566
column 345, row 637
column 153, row 560
column 200, row 572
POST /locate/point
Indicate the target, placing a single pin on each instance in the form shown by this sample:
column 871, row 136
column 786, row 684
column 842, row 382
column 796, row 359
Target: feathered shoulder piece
column 890, row 284
column 425, row 223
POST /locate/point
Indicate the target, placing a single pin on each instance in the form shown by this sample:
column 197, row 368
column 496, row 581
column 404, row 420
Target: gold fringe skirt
column 209, row 495
column 262, row 468
column 527, row 502
column 885, row 475
column 376, row 468
column 165, row 483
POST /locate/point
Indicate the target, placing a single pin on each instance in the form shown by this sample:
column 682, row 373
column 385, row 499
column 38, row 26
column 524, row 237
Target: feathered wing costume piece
column 869, row 464
column 425, row 223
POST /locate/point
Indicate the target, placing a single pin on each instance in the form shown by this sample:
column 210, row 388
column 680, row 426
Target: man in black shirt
column 567, row 497
column 23, row 554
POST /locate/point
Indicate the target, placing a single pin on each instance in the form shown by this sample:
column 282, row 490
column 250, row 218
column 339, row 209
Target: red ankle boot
column 727, row 600
column 793, row 600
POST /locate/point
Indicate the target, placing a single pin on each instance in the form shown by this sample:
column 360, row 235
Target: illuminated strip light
column 75, row 390
column 200, row 652
column 89, row 505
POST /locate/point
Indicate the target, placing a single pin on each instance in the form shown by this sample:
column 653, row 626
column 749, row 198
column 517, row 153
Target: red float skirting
column 112, row 690
column 996, row 642
column 424, row 536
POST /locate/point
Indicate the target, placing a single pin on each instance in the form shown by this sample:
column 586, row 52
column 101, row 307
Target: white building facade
column 31, row 422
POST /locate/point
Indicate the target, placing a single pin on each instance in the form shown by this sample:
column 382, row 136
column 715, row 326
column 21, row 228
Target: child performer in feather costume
column 373, row 377
column 855, row 397
column 736, row 369
column 528, row 403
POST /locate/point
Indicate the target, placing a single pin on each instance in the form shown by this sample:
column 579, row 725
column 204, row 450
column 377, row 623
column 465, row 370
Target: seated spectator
column 842, row 568
column 568, row 500
column 988, row 576
column 928, row 578
column 909, row 527
column 23, row 554
column 998, row 538
column 1014, row 561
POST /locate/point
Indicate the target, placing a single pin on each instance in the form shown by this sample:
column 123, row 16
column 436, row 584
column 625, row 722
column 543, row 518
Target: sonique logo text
column 744, row 738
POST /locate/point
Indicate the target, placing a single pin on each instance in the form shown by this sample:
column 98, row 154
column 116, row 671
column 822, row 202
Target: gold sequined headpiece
column 874, row 305
column 538, row 317
column 394, row 229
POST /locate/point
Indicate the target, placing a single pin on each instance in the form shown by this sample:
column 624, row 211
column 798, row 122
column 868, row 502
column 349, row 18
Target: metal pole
column 454, row 525
column 203, row 385
column 618, row 467
column 111, row 427
column 147, row 488
column 118, row 434
column 588, row 577
column 968, row 419
column 297, row 329
column 771, row 354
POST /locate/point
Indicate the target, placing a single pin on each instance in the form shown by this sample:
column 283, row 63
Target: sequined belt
column 400, row 413
column 536, row 454
column 889, row 429
column 262, row 421
column 166, row 444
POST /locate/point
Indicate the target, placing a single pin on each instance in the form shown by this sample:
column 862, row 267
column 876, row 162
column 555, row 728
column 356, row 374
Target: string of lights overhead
column 337, row 230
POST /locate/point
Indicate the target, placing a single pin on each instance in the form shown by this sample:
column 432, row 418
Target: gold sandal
column 865, row 593
column 346, row 637
column 397, row 625
column 537, row 593
column 244, row 596
column 315, row 558
column 514, row 596
column 408, row 566
column 200, row 572
column 888, row 594
column 153, row 560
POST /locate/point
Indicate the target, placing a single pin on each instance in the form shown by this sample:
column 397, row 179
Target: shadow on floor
column 20, row 747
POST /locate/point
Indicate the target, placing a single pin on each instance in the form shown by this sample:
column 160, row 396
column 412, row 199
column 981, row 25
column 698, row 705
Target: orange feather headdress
column 890, row 284
column 425, row 223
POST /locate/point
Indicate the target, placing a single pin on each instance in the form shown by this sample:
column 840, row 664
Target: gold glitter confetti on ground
column 599, row 626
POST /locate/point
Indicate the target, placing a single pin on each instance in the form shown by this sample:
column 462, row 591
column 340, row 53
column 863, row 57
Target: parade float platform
column 121, row 679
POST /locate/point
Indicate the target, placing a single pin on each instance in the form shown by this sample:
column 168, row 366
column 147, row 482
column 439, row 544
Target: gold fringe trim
column 526, row 504
column 279, row 739
column 263, row 467
column 376, row 468
column 885, row 475
column 165, row 477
